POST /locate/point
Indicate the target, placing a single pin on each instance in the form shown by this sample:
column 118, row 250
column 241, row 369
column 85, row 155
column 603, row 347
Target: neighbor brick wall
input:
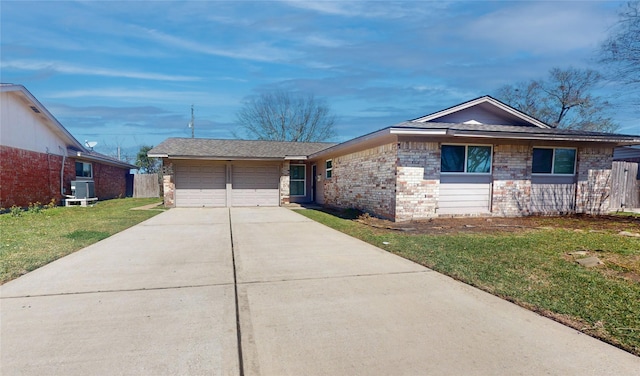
column 594, row 180
column 511, row 180
column 364, row 180
column 418, row 180
column 110, row 181
column 28, row 177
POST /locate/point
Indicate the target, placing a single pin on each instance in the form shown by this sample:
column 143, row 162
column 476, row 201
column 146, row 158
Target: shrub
column 35, row 207
column 15, row 211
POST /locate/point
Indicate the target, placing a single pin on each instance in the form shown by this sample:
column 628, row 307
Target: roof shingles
column 240, row 149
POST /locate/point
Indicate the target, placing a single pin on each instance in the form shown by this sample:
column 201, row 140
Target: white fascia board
column 549, row 137
column 425, row 132
column 295, row 157
column 158, row 155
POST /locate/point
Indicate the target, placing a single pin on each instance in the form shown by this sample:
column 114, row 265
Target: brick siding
column 364, row 180
column 418, row 180
column 594, row 180
column 110, row 181
column 511, row 180
column 28, row 177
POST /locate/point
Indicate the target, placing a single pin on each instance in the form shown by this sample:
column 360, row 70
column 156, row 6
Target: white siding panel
column 200, row 185
column 255, row 185
column 464, row 198
column 22, row 128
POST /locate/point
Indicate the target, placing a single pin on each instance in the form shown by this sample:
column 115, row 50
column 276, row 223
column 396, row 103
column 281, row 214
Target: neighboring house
column 481, row 157
column 39, row 158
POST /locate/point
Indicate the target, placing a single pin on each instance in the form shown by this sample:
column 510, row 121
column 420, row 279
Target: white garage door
column 200, row 185
column 255, row 185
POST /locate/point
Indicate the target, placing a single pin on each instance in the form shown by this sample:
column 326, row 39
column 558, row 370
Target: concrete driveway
column 265, row 291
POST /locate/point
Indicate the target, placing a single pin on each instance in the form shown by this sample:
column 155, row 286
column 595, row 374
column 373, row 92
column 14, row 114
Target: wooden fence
column 146, row 185
column 625, row 186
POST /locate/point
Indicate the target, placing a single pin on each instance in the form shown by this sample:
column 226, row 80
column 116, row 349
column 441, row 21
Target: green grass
column 533, row 269
column 35, row 238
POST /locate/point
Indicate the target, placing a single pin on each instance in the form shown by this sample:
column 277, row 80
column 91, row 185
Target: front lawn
column 33, row 238
column 532, row 264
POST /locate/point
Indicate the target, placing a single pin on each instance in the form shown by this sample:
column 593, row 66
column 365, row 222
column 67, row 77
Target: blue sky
column 126, row 73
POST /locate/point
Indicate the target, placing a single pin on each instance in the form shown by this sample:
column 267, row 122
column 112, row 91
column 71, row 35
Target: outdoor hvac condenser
column 83, row 189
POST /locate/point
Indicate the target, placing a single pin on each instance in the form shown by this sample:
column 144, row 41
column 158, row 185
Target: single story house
column 39, row 158
column 481, row 157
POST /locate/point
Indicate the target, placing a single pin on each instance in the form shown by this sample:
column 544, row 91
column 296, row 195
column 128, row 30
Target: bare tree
column 287, row 116
column 621, row 51
column 563, row 100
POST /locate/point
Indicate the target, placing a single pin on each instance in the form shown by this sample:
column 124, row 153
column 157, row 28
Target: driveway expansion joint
column 336, row 277
column 113, row 291
column 235, row 290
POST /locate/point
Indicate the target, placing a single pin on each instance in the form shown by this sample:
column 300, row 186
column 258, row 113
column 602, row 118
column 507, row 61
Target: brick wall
column 28, row 177
column 511, row 180
column 594, row 180
column 418, row 180
column 364, row 180
column 110, row 181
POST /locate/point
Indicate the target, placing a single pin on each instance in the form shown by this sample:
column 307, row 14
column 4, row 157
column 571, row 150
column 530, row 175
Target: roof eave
column 107, row 161
column 215, row 158
column 547, row 137
column 352, row 142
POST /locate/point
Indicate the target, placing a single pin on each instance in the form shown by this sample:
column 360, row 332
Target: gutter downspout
column 64, row 157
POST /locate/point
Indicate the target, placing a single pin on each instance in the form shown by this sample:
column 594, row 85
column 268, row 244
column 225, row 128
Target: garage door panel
column 255, row 185
column 200, row 185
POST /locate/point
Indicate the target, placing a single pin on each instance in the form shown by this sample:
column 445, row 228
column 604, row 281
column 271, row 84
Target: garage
column 200, row 184
column 204, row 184
column 228, row 173
column 255, row 185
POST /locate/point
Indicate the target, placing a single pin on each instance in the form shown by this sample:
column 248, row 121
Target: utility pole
column 192, row 125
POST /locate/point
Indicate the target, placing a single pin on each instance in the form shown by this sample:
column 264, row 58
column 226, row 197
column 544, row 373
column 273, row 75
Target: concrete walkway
column 162, row 298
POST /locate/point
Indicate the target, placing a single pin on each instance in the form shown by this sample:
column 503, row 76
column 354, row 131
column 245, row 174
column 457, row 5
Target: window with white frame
column 297, row 180
column 83, row 170
column 329, row 168
column 473, row 159
column 557, row 161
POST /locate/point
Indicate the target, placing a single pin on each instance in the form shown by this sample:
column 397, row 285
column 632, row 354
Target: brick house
column 39, row 158
column 481, row 157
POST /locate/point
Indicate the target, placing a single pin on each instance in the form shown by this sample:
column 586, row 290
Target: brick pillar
column 168, row 184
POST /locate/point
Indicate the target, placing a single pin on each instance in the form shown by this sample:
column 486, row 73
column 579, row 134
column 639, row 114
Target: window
column 297, row 182
column 474, row 159
column 554, row 161
column 83, row 170
column 329, row 168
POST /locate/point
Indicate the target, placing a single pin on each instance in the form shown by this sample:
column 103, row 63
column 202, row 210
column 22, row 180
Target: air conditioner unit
column 83, row 189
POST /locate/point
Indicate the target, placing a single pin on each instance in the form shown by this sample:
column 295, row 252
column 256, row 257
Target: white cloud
column 256, row 51
column 66, row 68
column 541, row 27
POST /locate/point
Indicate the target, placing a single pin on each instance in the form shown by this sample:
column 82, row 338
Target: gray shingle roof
column 241, row 149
